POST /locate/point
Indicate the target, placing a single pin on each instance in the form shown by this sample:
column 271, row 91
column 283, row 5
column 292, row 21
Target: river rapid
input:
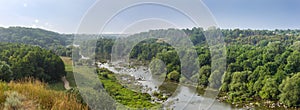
column 183, row 97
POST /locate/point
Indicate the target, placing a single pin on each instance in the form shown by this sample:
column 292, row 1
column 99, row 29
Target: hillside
column 33, row 36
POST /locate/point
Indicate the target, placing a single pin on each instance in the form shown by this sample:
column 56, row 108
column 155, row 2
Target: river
column 184, row 97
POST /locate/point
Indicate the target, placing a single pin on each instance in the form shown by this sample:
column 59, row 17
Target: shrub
column 174, row 75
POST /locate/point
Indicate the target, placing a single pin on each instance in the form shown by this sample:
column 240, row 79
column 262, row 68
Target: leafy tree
column 270, row 89
column 30, row 61
column 290, row 94
column 204, row 74
column 5, row 71
column 293, row 62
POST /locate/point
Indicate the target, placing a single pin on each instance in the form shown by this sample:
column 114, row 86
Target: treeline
column 46, row 39
column 60, row 44
column 18, row 61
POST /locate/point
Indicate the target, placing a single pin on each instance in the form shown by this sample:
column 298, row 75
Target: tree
column 30, row 61
column 270, row 89
column 293, row 62
column 290, row 91
column 5, row 71
column 240, row 76
column 204, row 74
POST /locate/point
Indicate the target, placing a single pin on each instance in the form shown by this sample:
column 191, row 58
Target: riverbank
column 123, row 95
column 172, row 95
column 257, row 103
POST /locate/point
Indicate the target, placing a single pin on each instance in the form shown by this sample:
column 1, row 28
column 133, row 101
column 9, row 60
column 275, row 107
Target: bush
column 16, row 101
column 290, row 94
column 174, row 76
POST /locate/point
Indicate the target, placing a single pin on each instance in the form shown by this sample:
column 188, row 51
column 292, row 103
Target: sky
column 65, row 16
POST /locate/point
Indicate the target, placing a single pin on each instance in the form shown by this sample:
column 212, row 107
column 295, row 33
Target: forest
column 20, row 61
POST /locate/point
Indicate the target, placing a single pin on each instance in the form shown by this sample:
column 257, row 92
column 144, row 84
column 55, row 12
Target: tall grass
column 43, row 98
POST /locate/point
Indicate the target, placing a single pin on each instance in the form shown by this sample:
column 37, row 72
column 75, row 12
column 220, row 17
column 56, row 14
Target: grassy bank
column 69, row 69
column 124, row 95
column 32, row 94
column 70, row 76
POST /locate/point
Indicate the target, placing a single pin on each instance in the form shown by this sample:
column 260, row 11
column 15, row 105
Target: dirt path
column 66, row 83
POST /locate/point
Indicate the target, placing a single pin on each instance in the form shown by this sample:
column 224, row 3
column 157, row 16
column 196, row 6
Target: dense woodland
column 18, row 61
column 260, row 64
column 46, row 39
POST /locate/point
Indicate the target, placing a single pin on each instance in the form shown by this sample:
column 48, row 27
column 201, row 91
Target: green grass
column 130, row 99
column 69, row 69
column 70, row 76
column 58, row 86
column 124, row 95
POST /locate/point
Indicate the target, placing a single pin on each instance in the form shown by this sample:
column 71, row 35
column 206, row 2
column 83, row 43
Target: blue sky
column 258, row 14
column 64, row 16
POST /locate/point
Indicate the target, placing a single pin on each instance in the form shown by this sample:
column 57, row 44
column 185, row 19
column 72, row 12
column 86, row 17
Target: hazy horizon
column 141, row 31
column 65, row 16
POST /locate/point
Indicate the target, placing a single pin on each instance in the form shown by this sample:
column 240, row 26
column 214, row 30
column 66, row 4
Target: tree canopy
column 19, row 61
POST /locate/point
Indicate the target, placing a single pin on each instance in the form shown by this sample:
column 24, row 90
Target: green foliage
column 290, row 94
column 29, row 61
column 204, row 73
column 174, row 75
column 238, row 90
column 121, row 94
column 293, row 62
column 269, row 90
column 154, row 48
column 5, row 72
column 46, row 39
column 104, row 49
